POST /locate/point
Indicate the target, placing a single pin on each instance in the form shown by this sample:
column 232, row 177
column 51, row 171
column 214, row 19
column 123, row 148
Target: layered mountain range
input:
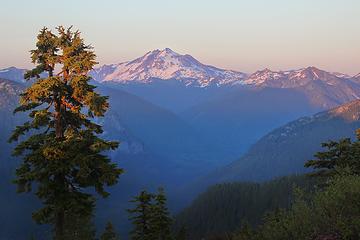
column 168, row 65
column 232, row 108
column 178, row 82
column 178, row 119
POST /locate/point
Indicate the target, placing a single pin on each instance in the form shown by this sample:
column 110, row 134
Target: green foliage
column 150, row 217
column 339, row 155
column 62, row 152
column 332, row 213
column 223, row 207
column 109, row 233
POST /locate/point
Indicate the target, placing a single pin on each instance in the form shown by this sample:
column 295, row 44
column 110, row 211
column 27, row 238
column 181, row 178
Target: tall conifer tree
column 62, row 152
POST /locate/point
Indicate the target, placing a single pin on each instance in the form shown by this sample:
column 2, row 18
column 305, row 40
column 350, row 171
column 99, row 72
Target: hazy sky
column 244, row 35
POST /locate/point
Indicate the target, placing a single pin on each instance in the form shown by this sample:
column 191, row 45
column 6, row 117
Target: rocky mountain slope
column 285, row 150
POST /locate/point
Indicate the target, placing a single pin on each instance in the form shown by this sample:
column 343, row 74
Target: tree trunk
column 59, row 225
column 60, row 179
column 59, row 131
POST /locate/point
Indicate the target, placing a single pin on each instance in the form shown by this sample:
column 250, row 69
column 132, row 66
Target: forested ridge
column 221, row 208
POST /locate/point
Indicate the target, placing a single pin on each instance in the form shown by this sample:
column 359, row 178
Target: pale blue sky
column 243, row 35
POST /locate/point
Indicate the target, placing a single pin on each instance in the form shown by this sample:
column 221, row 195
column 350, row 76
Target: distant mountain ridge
column 166, row 64
column 292, row 78
column 13, row 73
column 322, row 88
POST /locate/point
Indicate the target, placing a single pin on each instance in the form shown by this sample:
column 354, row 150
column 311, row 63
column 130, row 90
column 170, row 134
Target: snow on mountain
column 167, row 64
column 263, row 77
column 293, row 78
column 341, row 75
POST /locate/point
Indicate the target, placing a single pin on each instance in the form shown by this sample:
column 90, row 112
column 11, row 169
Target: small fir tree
column 109, row 233
column 161, row 220
column 141, row 217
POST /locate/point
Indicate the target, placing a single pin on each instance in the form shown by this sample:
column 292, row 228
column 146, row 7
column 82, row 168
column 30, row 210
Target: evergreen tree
column 161, row 221
column 340, row 155
column 62, row 152
column 109, row 233
column 141, row 217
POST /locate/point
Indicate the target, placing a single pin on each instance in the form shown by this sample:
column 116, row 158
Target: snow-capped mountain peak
column 263, row 76
column 309, row 73
column 165, row 65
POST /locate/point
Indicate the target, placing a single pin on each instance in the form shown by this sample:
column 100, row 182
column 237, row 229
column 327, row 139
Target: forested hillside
column 222, row 208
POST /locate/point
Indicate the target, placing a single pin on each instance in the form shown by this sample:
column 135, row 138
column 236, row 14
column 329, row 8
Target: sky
column 243, row 35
